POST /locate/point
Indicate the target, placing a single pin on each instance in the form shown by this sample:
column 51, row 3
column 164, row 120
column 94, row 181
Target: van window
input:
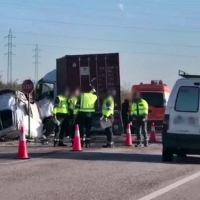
column 44, row 90
column 187, row 99
column 6, row 118
column 154, row 99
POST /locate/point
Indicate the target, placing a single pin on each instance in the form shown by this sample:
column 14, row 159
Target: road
column 97, row 174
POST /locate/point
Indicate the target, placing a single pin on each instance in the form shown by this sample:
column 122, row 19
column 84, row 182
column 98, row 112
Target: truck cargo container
column 100, row 70
column 79, row 70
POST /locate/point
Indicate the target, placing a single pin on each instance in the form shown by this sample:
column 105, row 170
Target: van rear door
column 184, row 116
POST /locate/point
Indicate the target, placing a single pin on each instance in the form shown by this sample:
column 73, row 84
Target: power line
column 88, row 16
column 106, row 40
column 9, row 54
column 36, row 56
column 100, row 9
column 111, row 50
column 107, row 17
column 101, row 25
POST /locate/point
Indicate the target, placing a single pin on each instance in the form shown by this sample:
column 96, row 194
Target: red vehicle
column 156, row 94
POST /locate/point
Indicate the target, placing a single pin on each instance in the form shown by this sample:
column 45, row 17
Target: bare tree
column 125, row 90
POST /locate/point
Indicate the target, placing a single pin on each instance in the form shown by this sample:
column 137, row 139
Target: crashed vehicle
column 14, row 113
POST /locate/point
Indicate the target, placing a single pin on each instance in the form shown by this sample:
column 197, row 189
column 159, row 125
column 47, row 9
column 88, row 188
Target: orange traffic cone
column 128, row 141
column 152, row 134
column 22, row 148
column 77, row 140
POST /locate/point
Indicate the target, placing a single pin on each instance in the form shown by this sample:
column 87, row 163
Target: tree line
column 14, row 85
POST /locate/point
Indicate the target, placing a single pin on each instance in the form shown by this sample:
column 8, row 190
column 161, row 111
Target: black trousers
column 73, row 126
column 141, row 130
column 84, row 120
column 72, row 123
column 65, row 125
column 125, row 120
column 109, row 132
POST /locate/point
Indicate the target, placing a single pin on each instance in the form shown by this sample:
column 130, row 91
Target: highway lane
column 96, row 174
column 188, row 191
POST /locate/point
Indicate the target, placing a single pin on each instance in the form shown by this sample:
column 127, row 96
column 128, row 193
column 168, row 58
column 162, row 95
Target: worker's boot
column 87, row 143
column 138, row 145
column 108, row 145
column 82, row 142
column 61, row 144
column 146, row 144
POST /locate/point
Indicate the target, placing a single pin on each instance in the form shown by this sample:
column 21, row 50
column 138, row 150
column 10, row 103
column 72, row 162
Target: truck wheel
column 167, row 155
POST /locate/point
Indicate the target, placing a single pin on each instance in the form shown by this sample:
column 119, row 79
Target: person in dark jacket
column 125, row 113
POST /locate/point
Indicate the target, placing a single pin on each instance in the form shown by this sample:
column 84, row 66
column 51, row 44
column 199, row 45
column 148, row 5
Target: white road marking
column 170, row 187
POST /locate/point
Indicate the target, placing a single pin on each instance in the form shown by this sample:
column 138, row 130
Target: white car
column 181, row 125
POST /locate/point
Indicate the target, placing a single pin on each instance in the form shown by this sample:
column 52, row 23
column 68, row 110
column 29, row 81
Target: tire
column 167, row 155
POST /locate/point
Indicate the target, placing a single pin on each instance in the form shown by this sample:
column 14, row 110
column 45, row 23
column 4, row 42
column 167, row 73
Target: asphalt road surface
column 122, row 173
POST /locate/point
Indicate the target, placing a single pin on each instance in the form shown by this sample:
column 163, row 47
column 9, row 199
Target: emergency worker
column 84, row 109
column 125, row 113
column 72, row 103
column 108, row 116
column 139, row 113
column 61, row 113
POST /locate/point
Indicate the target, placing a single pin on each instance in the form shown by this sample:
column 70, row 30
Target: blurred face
column 137, row 95
column 77, row 92
column 66, row 92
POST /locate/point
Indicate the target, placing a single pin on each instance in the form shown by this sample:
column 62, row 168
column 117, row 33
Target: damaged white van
column 181, row 126
column 14, row 108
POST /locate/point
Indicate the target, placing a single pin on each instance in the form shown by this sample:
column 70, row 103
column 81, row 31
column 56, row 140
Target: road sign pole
column 29, row 113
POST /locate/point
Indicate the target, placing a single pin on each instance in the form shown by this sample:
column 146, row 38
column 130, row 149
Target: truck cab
column 46, row 92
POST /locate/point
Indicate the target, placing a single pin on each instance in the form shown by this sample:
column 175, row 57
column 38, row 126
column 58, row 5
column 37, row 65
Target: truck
column 100, row 70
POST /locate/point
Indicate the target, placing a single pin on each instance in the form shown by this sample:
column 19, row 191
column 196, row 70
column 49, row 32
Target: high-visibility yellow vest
column 87, row 103
column 108, row 110
column 62, row 107
column 72, row 102
column 139, row 108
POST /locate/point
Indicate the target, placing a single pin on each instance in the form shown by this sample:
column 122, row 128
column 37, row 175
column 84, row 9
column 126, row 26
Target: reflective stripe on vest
column 108, row 110
column 140, row 108
column 62, row 106
column 88, row 102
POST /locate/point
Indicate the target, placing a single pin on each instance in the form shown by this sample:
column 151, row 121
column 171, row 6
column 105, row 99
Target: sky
column 155, row 38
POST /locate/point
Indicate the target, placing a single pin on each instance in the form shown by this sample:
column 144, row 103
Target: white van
column 181, row 125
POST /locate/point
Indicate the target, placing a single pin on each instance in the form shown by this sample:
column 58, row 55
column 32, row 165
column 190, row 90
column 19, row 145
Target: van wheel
column 167, row 155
